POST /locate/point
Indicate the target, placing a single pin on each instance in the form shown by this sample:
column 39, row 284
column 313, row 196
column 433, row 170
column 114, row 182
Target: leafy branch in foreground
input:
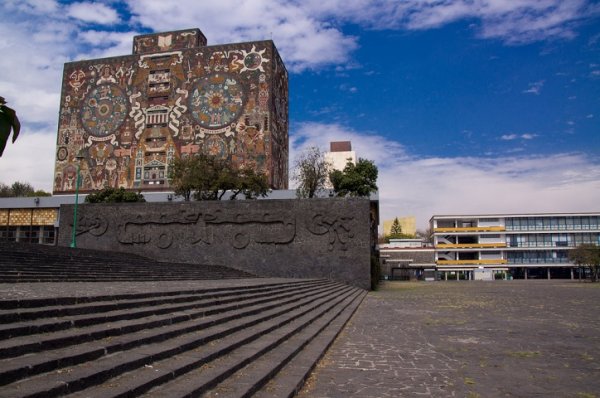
column 8, row 122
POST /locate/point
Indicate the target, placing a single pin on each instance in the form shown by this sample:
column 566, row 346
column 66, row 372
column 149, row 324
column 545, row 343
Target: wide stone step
column 290, row 378
column 134, row 351
column 120, row 308
column 69, row 300
column 38, row 263
column 22, row 345
column 12, row 369
column 289, row 343
column 186, row 372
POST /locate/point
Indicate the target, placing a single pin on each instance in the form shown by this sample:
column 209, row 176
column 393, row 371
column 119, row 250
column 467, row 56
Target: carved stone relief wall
column 317, row 238
column 129, row 117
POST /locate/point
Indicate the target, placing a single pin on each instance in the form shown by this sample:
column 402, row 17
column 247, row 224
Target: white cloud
column 512, row 136
column 513, row 22
column 535, row 88
column 41, row 35
column 307, row 34
column 424, row 186
column 106, row 44
column 306, row 40
column 30, row 159
column 92, row 12
column 590, row 116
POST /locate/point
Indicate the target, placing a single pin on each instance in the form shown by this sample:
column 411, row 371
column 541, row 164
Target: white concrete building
column 514, row 245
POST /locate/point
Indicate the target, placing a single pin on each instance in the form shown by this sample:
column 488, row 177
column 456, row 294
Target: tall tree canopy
column 396, row 229
column 587, row 255
column 358, row 179
column 206, row 177
column 311, row 170
column 20, row 189
column 114, row 195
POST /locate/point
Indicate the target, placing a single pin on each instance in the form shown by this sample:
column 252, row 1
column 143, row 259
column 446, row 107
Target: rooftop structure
column 339, row 154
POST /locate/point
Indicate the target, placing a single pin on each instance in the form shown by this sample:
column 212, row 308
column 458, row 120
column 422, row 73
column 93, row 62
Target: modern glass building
column 512, row 245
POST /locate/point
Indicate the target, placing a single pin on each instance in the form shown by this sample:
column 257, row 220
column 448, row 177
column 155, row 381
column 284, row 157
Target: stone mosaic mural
column 127, row 117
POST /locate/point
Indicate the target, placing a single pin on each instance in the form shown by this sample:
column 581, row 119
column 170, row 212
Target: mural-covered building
column 123, row 119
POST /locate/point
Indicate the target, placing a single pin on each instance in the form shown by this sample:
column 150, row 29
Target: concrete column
column 548, row 273
column 445, row 275
column 572, row 274
column 525, row 269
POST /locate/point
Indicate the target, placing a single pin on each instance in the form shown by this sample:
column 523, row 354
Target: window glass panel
column 569, row 221
column 546, row 223
column 585, row 222
column 48, row 235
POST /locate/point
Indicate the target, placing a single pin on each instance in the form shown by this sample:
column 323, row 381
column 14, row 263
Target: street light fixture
column 78, row 158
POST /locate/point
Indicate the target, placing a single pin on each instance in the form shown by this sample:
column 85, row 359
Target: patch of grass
column 587, row 357
column 524, row 354
column 585, row 395
column 469, row 381
column 472, row 394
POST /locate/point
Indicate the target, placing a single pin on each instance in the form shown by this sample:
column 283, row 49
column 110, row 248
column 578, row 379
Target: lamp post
column 79, row 157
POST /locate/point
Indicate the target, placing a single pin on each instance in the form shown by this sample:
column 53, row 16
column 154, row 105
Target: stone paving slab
column 41, row 290
column 467, row 339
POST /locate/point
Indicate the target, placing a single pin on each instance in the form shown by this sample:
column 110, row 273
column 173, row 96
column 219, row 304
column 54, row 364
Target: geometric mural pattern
column 124, row 119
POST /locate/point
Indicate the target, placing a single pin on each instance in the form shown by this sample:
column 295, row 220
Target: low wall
column 313, row 238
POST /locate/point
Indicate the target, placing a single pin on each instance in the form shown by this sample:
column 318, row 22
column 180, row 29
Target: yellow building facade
column 407, row 224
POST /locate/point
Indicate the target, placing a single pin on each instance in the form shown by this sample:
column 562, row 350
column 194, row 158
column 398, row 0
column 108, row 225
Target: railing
column 469, row 245
column 471, row 262
column 470, row 229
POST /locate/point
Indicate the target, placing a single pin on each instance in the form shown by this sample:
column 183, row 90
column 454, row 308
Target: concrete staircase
column 21, row 262
column 262, row 339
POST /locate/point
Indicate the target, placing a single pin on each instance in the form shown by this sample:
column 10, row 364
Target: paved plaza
column 467, row 339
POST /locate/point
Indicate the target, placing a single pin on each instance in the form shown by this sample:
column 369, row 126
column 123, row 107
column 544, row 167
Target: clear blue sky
column 465, row 106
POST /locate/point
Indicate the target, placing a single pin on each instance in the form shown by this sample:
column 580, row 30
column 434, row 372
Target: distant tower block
column 130, row 116
column 339, row 154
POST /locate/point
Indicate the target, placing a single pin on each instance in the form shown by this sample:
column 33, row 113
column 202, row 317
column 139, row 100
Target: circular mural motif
column 217, row 100
column 252, row 60
column 216, row 146
column 62, row 153
column 104, row 110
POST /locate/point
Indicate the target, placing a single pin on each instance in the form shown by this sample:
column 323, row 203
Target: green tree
column 396, row 229
column 114, row 195
column 358, row 179
column 20, row 189
column 310, row 172
column 206, row 177
column 183, row 175
column 8, row 122
column 5, row 191
column 251, row 184
column 587, row 255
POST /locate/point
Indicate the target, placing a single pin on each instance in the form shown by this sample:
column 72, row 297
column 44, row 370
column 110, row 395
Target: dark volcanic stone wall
column 316, row 238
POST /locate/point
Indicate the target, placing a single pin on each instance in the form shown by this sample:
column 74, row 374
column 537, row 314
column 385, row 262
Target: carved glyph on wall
column 337, row 229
